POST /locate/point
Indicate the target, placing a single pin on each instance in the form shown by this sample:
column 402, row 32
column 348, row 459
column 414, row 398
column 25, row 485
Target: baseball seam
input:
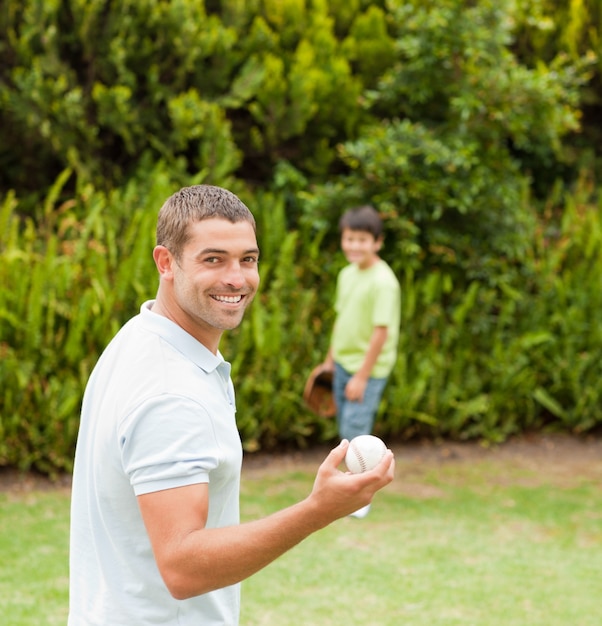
column 360, row 459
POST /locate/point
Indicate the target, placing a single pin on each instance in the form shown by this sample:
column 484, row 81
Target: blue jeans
column 356, row 418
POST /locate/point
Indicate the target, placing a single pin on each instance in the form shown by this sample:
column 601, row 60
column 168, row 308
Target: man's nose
column 234, row 275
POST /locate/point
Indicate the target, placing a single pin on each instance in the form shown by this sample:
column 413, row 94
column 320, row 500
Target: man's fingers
column 336, row 456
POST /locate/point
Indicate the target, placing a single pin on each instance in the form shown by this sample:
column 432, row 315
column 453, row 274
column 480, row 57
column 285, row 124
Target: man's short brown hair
column 194, row 204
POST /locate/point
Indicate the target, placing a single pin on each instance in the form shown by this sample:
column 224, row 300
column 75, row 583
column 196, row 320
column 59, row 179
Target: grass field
column 483, row 539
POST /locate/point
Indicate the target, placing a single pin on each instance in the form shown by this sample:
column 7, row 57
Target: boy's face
column 360, row 247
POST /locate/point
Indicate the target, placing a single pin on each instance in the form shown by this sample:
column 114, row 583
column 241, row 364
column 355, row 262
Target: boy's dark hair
column 365, row 218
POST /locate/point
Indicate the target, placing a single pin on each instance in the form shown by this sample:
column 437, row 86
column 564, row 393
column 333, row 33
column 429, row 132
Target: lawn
column 480, row 539
column 34, row 548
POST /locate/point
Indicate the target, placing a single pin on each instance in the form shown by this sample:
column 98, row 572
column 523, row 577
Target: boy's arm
column 329, row 360
column 354, row 391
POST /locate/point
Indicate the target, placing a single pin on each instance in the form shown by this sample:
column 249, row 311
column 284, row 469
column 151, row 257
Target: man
column 155, row 532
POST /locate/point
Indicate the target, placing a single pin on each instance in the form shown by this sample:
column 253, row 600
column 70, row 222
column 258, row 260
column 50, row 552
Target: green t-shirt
column 365, row 299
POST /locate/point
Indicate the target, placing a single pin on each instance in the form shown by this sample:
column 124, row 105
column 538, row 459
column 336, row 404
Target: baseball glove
column 317, row 394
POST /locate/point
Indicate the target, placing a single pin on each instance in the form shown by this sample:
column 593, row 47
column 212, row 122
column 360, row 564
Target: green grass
column 470, row 546
column 34, row 548
column 474, row 543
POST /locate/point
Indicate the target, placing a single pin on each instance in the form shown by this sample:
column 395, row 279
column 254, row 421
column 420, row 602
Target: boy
column 363, row 348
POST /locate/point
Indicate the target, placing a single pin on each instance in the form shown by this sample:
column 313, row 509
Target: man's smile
column 228, row 299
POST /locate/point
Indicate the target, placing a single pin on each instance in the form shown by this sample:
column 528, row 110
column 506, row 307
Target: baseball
column 364, row 453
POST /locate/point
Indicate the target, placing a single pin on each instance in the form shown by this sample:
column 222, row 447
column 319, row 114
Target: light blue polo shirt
column 158, row 413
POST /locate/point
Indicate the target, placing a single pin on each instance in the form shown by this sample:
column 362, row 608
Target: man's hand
column 336, row 494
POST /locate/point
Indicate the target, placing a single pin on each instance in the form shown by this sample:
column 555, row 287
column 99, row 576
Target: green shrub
column 476, row 361
column 206, row 87
column 68, row 284
column 422, row 109
column 487, row 362
column 236, row 87
column 72, row 279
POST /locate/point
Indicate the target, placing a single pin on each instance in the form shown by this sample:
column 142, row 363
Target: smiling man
column 155, row 532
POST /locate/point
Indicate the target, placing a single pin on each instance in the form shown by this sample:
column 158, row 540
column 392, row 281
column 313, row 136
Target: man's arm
column 194, row 560
column 354, row 391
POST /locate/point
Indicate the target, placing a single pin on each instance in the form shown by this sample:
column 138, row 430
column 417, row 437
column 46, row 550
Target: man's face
column 360, row 247
column 217, row 275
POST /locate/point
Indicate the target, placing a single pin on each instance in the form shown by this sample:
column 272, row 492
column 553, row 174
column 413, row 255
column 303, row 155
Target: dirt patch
column 562, row 460
column 15, row 481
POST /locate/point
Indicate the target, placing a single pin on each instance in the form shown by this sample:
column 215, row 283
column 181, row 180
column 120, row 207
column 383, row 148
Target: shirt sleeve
column 167, row 442
column 386, row 304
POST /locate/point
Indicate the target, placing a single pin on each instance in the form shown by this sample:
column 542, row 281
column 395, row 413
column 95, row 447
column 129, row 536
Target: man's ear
column 164, row 261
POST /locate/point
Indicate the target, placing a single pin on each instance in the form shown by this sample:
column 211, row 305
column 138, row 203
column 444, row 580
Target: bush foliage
column 466, row 123
column 476, row 360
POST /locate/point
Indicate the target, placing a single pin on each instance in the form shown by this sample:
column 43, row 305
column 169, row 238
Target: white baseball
column 364, row 453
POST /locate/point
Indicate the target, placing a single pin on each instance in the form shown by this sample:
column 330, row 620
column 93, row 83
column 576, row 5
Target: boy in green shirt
column 363, row 347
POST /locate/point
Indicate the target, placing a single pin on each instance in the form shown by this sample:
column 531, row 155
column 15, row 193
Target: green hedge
column 235, row 88
column 207, row 87
column 68, row 282
column 486, row 362
column 476, row 360
column 455, row 118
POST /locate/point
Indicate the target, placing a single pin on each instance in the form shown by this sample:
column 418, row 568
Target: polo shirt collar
column 182, row 341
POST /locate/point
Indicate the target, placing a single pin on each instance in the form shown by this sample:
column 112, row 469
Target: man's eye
column 251, row 259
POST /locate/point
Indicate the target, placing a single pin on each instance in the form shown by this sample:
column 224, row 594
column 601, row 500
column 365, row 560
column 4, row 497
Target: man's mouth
column 228, row 299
